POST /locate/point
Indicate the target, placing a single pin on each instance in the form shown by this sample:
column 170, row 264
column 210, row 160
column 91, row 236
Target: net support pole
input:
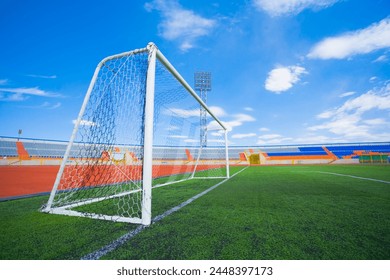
column 72, row 138
column 227, row 155
column 148, row 138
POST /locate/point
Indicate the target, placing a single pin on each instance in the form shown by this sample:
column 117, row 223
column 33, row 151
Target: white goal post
column 138, row 128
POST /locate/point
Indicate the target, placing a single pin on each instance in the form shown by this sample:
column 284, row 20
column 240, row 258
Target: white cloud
column 249, row 109
column 377, row 121
column 189, row 113
column 363, row 41
column 217, row 111
column 238, row 120
column 381, row 58
column 325, row 115
column 19, row 94
column 283, row 78
column 12, row 97
column 178, row 136
column 183, row 112
column 282, row 7
column 220, row 141
column 3, row 82
column 32, row 91
column 264, row 129
column 42, row 76
column 373, row 79
column 214, row 125
column 314, row 139
column 55, row 106
column 269, row 136
column 217, row 133
column 191, row 141
column 85, row 123
column 349, row 93
column 344, row 124
column 270, row 139
column 44, row 105
column 244, row 118
column 173, row 128
column 373, row 99
column 228, row 124
column 180, row 24
column 347, row 121
column 241, row 136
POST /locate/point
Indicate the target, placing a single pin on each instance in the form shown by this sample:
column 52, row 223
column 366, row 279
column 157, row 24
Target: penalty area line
column 351, row 176
column 126, row 237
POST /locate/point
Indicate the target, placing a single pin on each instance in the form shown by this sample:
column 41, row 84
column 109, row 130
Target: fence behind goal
column 138, row 128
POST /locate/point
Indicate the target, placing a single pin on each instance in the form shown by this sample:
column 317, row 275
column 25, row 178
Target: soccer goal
column 139, row 128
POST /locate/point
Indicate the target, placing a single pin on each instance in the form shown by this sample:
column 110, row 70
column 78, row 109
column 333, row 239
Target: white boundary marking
column 356, row 177
column 126, row 237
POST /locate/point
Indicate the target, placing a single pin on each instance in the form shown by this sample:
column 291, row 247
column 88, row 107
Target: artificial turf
column 265, row 212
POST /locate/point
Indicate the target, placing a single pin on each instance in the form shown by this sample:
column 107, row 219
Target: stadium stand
column 30, row 149
column 355, row 150
column 8, row 148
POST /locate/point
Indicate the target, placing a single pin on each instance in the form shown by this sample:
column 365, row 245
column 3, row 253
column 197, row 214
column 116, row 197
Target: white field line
column 126, row 237
column 356, row 177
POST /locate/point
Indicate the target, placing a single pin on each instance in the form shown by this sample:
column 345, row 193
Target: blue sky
column 283, row 72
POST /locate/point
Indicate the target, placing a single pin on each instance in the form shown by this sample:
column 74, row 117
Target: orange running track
column 26, row 180
column 30, row 180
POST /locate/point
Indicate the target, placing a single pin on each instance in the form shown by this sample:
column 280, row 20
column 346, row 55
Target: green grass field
column 265, row 212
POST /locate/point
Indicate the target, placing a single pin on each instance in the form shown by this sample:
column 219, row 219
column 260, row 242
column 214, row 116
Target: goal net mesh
column 102, row 175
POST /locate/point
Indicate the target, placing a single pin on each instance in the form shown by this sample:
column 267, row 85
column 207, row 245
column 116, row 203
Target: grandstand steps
column 189, row 156
column 22, row 153
column 329, row 153
column 263, row 157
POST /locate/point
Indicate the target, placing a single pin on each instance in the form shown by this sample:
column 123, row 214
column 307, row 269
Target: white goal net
column 138, row 128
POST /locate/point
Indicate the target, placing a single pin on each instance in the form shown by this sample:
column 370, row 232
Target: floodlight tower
column 202, row 86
